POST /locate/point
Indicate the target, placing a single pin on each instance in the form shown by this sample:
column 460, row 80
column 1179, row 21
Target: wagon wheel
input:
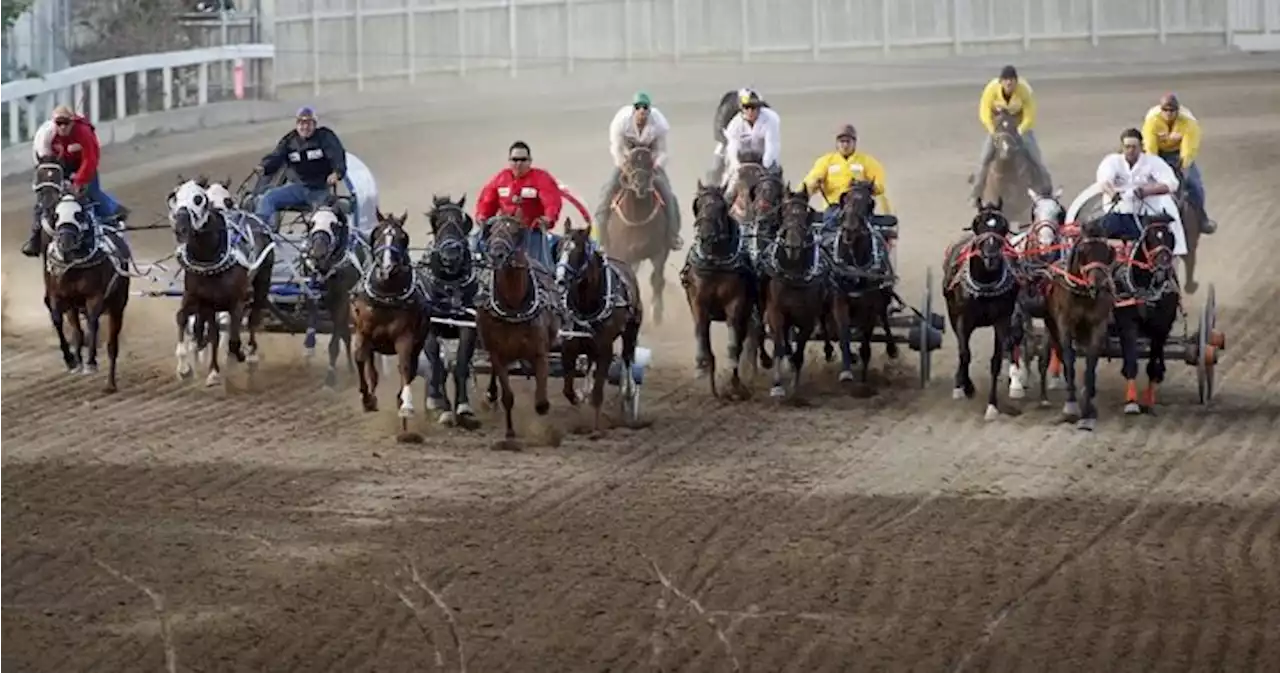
column 926, row 329
column 1208, row 342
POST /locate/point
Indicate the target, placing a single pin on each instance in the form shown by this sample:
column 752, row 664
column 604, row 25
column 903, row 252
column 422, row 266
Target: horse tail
column 724, row 114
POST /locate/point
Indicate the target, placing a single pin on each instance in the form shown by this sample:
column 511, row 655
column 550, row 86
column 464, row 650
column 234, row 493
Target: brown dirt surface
column 271, row 526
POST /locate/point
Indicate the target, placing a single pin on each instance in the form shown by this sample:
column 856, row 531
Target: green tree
column 14, row 9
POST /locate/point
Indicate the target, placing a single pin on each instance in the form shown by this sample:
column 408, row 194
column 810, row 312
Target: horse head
column 71, row 225
column 638, row 168
column 797, row 242
column 220, row 197
column 1047, row 218
column 991, row 231
column 450, row 231
column 766, row 197
column 49, row 182
column 1092, row 259
column 389, row 242
column 505, row 246
column 716, row 231
column 327, row 237
column 1006, row 139
column 580, row 257
column 189, row 209
column 857, row 204
column 1154, row 252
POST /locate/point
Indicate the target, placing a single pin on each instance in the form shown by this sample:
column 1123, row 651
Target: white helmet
column 747, row 95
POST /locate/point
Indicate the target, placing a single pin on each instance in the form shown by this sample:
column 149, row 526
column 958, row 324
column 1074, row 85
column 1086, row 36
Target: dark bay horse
column 719, row 283
column 1011, row 171
column 1080, row 304
column 336, row 259
column 795, row 294
column 449, row 274
column 637, row 226
column 981, row 285
column 601, row 298
column 87, row 271
column 863, row 278
column 226, row 267
column 390, row 314
column 1147, row 302
column 517, row 315
column 756, row 205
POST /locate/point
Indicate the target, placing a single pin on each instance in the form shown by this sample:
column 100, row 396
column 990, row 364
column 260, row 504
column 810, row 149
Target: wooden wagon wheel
column 1208, row 341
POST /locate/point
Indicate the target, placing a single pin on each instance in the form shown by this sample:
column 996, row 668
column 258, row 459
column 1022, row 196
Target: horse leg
column 705, row 361
column 1071, row 408
column 1043, row 361
column 235, row 318
column 866, row 330
column 1019, row 354
column 797, row 356
column 1127, row 323
column 778, row 324
column 1155, row 361
column 739, row 314
column 93, row 320
column 182, row 351
column 890, row 345
column 963, row 385
column 340, row 332
column 115, row 316
column 844, row 328
column 462, row 375
column 215, row 337
column 603, row 358
column 541, row 372
column 1089, row 411
column 406, row 363
column 258, row 304
column 368, row 372
column 77, row 339
column 1000, row 330
column 503, row 376
column 55, row 317
column 313, row 327
column 630, row 339
column 569, row 354
column 658, row 284
column 437, row 398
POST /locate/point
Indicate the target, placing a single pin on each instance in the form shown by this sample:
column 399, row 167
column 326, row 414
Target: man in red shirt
column 527, row 192
column 74, row 144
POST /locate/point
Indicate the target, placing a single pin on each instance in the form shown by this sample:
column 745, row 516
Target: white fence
column 320, row 41
column 124, row 87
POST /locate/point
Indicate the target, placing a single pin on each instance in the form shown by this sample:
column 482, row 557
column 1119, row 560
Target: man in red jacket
column 527, row 192
column 74, row 144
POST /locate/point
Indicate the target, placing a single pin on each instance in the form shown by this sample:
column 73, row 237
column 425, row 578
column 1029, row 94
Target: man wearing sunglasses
column 71, row 140
column 756, row 131
column 527, row 192
column 1136, row 183
column 1171, row 132
column 642, row 124
column 314, row 160
column 1009, row 93
column 833, row 173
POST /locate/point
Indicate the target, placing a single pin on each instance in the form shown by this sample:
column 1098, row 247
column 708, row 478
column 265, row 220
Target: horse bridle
column 629, row 172
column 445, row 218
column 507, row 255
column 1083, row 273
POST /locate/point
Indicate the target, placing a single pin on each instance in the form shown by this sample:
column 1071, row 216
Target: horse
column 1080, row 304
column 637, row 226
column 227, row 267
column 1147, row 303
column 758, row 211
column 863, row 277
column 449, row 274
column 336, row 259
column 981, row 287
column 389, row 311
column 719, row 283
column 796, row 287
column 1038, row 245
column 86, row 270
column 517, row 315
column 1191, row 217
column 1011, row 172
column 601, row 297
column 50, row 184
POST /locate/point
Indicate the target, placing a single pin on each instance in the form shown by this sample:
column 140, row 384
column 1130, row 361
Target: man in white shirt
column 755, row 130
column 639, row 123
column 1139, row 184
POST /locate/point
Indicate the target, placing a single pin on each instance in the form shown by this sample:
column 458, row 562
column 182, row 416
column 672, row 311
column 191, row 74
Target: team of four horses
column 513, row 301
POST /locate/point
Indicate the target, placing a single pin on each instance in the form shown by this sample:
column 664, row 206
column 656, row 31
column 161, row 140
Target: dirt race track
column 272, row 526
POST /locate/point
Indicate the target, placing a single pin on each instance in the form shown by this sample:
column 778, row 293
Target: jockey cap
column 747, row 97
column 305, row 113
column 846, row 131
column 1169, row 102
column 641, row 99
column 1008, row 72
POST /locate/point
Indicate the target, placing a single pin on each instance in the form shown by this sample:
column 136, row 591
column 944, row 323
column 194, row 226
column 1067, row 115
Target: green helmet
column 641, row 99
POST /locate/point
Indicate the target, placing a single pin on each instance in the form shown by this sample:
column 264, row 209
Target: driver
column 529, row 193
column 314, row 159
column 755, row 129
column 643, row 124
column 1007, row 92
column 1173, row 133
column 1137, row 183
column 834, row 172
column 71, row 139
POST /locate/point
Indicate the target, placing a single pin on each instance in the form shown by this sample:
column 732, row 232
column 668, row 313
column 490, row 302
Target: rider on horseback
column 1137, row 182
column 314, row 159
column 71, row 140
column 1007, row 92
column 754, row 130
column 1173, row 133
column 834, row 172
column 643, row 124
column 529, row 193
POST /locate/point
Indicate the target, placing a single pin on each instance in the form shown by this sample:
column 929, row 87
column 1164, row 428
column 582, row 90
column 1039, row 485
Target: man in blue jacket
column 314, row 159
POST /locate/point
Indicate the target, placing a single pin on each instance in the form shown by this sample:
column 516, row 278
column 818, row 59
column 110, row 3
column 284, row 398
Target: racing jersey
column 765, row 137
column 538, row 194
column 654, row 134
column 1022, row 104
column 833, row 173
column 78, row 151
column 1159, row 136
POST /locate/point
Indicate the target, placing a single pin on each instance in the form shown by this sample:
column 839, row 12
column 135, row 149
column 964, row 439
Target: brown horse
column 637, row 226
column 517, row 315
column 225, row 267
column 757, row 207
column 863, row 277
column 719, row 283
column 1011, row 171
column 602, row 298
column 388, row 309
column 87, row 271
column 796, row 290
column 981, row 288
column 1080, row 304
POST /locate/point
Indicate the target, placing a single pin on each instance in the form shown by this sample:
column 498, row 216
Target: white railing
column 321, row 41
column 124, row 87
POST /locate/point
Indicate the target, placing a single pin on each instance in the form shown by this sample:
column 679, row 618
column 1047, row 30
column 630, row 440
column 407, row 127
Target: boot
column 32, row 247
column 1207, row 226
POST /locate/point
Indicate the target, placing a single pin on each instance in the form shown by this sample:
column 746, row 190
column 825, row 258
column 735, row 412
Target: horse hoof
column 406, row 411
column 330, row 379
column 447, row 419
column 777, row 391
column 541, row 408
column 1191, row 287
column 213, row 379
column 993, row 412
column 957, row 393
column 1132, row 408
column 701, row 371
column 370, row 403
column 1056, row 382
column 1071, row 410
column 437, row 404
column 465, row 409
column 110, row 389
column 1017, row 392
column 308, row 353
column 846, row 376
column 892, row 351
column 252, row 357
column 91, row 368
column 1086, row 424
column 184, row 372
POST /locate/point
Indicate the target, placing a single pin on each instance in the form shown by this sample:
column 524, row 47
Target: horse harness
column 960, row 257
column 617, row 293
column 243, row 245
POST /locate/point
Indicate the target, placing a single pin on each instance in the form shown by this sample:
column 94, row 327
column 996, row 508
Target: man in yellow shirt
column 1008, row 92
column 834, row 172
column 1172, row 132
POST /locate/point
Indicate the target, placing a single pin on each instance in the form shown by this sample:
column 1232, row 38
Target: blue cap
column 305, row 112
